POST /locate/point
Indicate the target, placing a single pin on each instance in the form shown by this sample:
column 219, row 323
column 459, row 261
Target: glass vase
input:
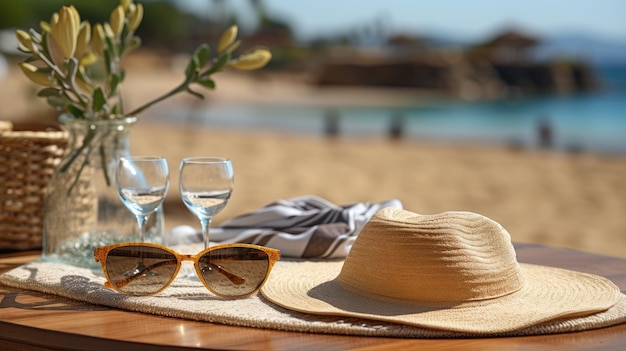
column 82, row 209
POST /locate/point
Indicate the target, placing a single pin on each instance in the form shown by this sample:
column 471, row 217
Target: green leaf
column 75, row 111
column 206, row 82
column 219, row 65
column 111, row 46
column 46, row 92
column 124, row 34
column 203, row 53
column 98, row 99
column 191, row 69
column 107, row 61
column 57, row 101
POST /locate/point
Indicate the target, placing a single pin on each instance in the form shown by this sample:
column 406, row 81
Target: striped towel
column 301, row 227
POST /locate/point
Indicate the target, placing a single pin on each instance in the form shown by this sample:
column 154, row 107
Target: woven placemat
column 187, row 298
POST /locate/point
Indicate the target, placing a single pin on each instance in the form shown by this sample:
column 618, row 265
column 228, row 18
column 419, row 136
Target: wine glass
column 206, row 184
column 142, row 183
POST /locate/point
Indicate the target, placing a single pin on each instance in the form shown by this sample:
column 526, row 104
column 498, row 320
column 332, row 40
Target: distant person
column 331, row 123
column 545, row 133
column 396, row 128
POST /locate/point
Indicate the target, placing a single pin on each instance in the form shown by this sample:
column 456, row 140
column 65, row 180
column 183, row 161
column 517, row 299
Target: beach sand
column 570, row 200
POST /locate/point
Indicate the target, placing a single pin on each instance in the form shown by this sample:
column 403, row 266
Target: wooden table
column 35, row 321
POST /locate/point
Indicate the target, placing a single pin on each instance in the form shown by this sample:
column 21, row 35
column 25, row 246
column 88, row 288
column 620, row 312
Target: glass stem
column 142, row 221
column 206, row 226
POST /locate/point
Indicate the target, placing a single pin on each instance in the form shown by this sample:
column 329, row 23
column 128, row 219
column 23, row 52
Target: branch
column 179, row 89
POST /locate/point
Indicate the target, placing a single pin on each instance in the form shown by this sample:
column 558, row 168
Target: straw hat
column 454, row 271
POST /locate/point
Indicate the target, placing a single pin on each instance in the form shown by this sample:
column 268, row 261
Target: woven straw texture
column 453, row 271
column 188, row 299
column 28, row 160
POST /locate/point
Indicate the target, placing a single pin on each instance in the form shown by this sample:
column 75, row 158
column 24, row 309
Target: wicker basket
column 27, row 160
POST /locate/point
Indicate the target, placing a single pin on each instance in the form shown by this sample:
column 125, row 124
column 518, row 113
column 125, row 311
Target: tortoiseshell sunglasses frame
column 100, row 254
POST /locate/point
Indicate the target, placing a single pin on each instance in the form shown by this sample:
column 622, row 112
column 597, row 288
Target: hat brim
column 548, row 294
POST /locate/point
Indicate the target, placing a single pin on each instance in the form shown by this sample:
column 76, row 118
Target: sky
column 464, row 19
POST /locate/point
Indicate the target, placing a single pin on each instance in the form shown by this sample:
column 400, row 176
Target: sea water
column 591, row 121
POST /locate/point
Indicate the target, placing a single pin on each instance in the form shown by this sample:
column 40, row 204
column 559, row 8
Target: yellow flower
column 254, row 60
column 26, row 41
column 108, row 31
column 64, row 28
column 88, row 59
column 136, row 15
column 227, row 39
column 37, row 75
column 73, row 12
column 45, row 26
column 117, row 20
column 97, row 39
column 83, row 40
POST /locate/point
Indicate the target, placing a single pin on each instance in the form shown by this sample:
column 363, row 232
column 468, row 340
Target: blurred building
column 510, row 46
column 502, row 66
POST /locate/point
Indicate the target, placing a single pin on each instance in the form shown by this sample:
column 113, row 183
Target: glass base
column 79, row 252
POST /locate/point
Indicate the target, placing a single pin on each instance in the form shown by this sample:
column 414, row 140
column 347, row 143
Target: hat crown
column 447, row 257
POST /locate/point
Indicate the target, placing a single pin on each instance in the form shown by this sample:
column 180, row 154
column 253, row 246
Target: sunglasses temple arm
column 123, row 282
column 235, row 279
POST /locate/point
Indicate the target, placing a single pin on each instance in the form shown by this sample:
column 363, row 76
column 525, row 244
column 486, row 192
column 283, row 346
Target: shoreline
column 379, row 122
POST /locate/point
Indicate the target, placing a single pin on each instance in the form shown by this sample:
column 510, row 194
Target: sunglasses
column 230, row 270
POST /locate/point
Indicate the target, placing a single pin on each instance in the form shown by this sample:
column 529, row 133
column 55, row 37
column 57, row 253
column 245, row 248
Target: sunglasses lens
column 234, row 271
column 140, row 270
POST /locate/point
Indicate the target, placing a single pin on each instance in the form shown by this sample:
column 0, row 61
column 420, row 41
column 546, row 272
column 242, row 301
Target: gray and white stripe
column 302, row 227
